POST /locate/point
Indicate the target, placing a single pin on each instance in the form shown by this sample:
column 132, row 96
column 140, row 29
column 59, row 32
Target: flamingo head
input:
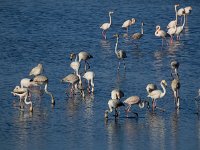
column 72, row 56
column 164, row 82
column 116, row 35
column 157, row 27
column 133, row 20
column 111, row 12
column 176, row 5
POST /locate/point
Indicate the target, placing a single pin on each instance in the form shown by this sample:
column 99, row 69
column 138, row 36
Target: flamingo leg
column 119, row 65
column 124, row 64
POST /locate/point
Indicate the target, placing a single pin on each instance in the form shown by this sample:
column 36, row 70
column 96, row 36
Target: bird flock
column 174, row 28
column 77, row 85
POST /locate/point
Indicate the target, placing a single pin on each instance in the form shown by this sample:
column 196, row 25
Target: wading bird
column 173, row 23
column 106, row 26
column 156, row 94
column 121, row 54
column 73, row 80
column 179, row 29
column 113, row 104
column 160, row 33
column 137, row 36
column 175, row 85
column 22, row 93
column 174, row 69
column 135, row 100
column 43, row 80
column 128, row 23
column 89, row 76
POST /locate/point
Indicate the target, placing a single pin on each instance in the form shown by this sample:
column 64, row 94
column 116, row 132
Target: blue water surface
column 47, row 31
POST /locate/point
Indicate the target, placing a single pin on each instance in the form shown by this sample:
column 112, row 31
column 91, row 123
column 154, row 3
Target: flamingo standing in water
column 138, row 35
column 22, row 93
column 106, row 26
column 135, row 100
column 43, row 80
column 160, row 33
column 113, row 104
column 179, row 29
column 175, row 85
column 173, row 23
column 89, row 76
column 174, row 66
column 156, row 94
column 121, row 54
column 128, row 23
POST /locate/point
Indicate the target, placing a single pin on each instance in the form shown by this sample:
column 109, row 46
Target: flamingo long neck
column 110, row 18
column 76, row 58
column 142, row 30
column 183, row 21
column 77, row 73
column 92, row 84
column 116, row 45
column 26, row 102
column 176, row 13
column 164, row 90
column 49, row 93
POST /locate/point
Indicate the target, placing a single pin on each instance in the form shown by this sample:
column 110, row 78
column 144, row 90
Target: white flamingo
column 160, row 33
column 106, row 26
column 173, row 23
column 22, row 93
column 89, row 76
column 179, row 29
column 113, row 104
column 156, row 94
column 121, row 54
column 128, row 23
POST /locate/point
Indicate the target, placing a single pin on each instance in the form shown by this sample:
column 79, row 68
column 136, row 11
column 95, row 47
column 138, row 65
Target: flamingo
column 137, row 36
column 89, row 76
column 84, row 56
column 179, row 29
column 160, row 33
column 113, row 104
column 151, row 87
column 134, row 100
column 121, row 54
column 43, row 80
column 117, row 94
column 156, row 94
column 171, row 31
column 36, row 70
column 175, row 85
column 75, row 65
column 128, row 23
column 174, row 66
column 180, row 13
column 71, row 79
column 173, row 23
column 22, row 93
column 106, row 26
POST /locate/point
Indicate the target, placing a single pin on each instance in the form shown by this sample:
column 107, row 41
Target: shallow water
column 46, row 32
